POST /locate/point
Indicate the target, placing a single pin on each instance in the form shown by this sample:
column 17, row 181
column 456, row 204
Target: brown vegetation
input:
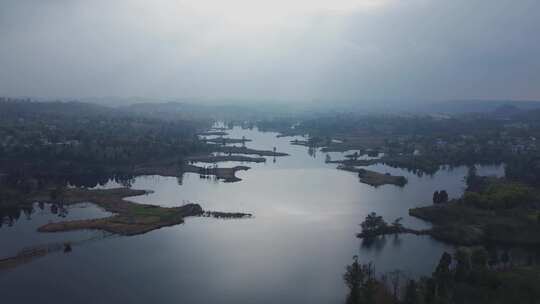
column 129, row 219
column 224, row 158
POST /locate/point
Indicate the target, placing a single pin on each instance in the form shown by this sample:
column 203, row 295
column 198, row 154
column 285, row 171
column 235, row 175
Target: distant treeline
column 85, row 144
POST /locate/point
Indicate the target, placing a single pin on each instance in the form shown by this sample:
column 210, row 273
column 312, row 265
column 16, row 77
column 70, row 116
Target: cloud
column 300, row 50
column 450, row 49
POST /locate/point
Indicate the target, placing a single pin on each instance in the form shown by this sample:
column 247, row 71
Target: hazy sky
column 274, row 49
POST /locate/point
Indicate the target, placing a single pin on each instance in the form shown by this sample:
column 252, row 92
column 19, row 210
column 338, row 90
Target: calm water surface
column 293, row 251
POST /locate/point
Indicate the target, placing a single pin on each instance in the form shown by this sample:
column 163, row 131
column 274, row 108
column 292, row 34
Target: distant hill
column 253, row 111
column 498, row 107
column 28, row 108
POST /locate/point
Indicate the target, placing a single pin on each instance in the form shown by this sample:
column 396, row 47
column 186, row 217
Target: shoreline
column 228, row 175
column 130, row 218
column 224, row 158
column 245, row 150
column 374, row 178
column 459, row 224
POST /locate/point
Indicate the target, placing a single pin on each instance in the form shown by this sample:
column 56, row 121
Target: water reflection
column 10, row 215
column 376, row 244
column 306, row 216
column 49, row 211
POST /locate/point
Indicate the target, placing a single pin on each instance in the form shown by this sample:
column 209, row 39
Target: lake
column 294, row 249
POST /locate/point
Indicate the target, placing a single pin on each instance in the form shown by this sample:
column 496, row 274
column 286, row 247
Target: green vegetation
column 500, row 195
column 424, row 143
column 226, row 174
column 363, row 286
column 440, row 197
column 46, row 146
column 525, row 168
column 374, row 226
column 375, row 179
column 501, row 212
column 129, row 219
column 469, row 276
column 84, row 144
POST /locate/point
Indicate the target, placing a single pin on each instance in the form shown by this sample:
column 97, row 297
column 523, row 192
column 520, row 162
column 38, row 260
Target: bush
column 499, row 196
column 474, row 199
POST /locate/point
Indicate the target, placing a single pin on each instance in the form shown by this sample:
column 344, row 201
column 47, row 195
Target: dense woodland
column 470, row 275
column 423, row 143
column 84, row 144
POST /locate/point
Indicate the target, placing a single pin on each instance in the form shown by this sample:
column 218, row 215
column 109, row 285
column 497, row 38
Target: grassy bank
column 129, row 219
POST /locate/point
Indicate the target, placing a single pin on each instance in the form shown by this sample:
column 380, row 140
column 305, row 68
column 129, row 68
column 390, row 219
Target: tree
column 401, row 181
column 373, row 224
column 395, row 280
column 463, row 264
column 436, row 197
column 442, row 275
column 479, row 258
column 473, row 199
column 56, row 193
column 411, row 293
column 493, row 257
column 443, row 196
column 471, row 177
column 360, row 279
column 505, row 257
column 430, row 288
column 444, row 264
column 353, row 278
column 440, row 197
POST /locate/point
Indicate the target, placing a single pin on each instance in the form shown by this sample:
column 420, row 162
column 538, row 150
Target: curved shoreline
column 373, row 178
column 224, row 158
column 130, row 218
column 228, row 175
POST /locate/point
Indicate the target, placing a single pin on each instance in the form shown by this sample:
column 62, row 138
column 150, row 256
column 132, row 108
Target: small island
column 228, row 175
column 245, row 150
column 373, row 178
column 224, row 158
column 213, row 133
column 129, row 219
column 226, row 141
column 374, row 226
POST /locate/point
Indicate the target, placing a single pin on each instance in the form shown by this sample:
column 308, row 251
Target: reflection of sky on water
column 22, row 231
column 294, row 250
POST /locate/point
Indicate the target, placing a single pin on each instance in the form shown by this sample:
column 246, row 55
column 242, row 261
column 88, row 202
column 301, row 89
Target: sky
column 287, row 50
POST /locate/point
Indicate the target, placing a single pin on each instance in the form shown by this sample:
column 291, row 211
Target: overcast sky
column 353, row 50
